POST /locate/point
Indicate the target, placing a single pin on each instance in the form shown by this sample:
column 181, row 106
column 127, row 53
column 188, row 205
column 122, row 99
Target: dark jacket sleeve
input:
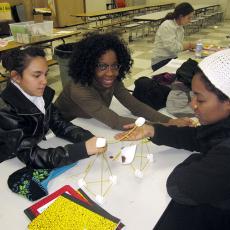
column 65, row 129
column 34, row 156
column 59, row 156
column 202, row 178
column 177, row 137
column 24, row 144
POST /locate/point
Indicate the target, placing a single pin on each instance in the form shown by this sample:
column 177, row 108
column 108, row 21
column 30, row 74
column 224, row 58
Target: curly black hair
column 87, row 52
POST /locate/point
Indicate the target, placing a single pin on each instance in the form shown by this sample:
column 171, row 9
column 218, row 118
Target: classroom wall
column 27, row 6
column 129, row 2
column 95, row 5
column 138, row 2
column 64, row 11
column 226, row 8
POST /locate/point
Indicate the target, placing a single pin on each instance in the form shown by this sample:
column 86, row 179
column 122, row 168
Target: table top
column 139, row 203
column 57, row 34
column 153, row 16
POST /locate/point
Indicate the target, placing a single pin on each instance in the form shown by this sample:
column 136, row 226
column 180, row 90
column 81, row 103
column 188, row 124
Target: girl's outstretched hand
column 135, row 133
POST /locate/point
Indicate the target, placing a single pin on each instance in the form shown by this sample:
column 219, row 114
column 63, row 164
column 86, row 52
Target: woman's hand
column 91, row 147
column 189, row 46
column 137, row 134
column 181, row 122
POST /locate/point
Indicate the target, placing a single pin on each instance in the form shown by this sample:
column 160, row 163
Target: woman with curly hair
column 98, row 65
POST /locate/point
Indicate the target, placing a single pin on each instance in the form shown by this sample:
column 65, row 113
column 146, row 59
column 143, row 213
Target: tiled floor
column 141, row 52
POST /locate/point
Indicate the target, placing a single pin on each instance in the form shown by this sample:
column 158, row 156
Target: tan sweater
column 93, row 101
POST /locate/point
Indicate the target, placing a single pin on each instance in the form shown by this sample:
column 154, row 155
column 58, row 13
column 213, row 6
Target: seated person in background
column 170, row 35
column 28, row 114
column 98, row 65
column 199, row 186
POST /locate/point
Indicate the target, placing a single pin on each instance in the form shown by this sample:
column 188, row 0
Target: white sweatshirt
column 168, row 41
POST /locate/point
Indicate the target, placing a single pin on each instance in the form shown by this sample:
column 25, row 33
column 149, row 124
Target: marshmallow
column 100, row 142
column 113, row 179
column 150, row 157
column 138, row 173
column 140, row 121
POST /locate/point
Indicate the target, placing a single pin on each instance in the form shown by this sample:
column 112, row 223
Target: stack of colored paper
column 69, row 209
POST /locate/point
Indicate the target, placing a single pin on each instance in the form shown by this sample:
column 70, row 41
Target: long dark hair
column 182, row 9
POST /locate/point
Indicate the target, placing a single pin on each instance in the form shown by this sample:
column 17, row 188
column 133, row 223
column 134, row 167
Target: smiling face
column 107, row 69
column 33, row 80
column 206, row 105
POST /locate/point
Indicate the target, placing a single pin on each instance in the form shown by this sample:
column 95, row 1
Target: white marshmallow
column 113, row 179
column 150, row 157
column 138, row 173
column 140, row 121
column 100, row 142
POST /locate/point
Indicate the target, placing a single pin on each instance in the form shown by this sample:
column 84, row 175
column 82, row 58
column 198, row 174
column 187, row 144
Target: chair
column 120, row 3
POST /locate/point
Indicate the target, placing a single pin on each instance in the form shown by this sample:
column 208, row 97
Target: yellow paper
column 67, row 215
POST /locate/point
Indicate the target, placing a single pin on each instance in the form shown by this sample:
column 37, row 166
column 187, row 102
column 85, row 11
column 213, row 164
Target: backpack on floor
column 154, row 91
column 151, row 92
column 186, row 71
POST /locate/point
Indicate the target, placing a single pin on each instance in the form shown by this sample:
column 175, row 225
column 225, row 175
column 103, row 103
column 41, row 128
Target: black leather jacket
column 23, row 126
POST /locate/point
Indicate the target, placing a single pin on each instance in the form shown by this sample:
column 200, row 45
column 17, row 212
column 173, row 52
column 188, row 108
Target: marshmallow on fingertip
column 140, row 121
column 100, row 142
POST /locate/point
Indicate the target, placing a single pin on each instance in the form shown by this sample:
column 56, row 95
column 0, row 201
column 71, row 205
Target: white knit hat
column 216, row 68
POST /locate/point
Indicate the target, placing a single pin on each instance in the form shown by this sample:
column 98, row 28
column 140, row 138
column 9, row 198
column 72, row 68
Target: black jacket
column 23, row 126
column 203, row 178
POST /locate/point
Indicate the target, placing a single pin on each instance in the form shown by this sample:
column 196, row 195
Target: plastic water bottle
column 199, row 48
